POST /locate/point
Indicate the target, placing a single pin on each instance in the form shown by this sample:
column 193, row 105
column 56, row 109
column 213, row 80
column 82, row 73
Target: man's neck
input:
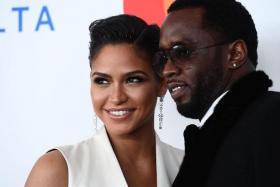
column 211, row 110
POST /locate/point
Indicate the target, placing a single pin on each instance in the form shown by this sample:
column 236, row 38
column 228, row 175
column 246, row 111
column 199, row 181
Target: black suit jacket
column 239, row 145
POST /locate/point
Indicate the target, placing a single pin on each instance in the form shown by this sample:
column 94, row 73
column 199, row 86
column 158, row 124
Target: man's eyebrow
column 171, row 45
column 177, row 43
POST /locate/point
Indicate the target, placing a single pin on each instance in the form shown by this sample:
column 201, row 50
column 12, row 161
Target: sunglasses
column 178, row 55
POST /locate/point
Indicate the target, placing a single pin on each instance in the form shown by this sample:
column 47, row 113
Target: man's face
column 196, row 77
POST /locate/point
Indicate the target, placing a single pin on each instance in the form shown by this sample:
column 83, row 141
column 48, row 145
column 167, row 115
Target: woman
column 124, row 91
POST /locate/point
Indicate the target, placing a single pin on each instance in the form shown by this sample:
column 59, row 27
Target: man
column 209, row 52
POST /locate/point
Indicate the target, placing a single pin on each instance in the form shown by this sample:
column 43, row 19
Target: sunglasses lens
column 159, row 61
column 179, row 53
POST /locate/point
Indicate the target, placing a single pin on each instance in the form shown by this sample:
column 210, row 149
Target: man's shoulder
column 271, row 98
column 264, row 109
column 273, row 94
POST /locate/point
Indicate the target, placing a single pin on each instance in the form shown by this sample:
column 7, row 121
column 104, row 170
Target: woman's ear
column 162, row 87
column 237, row 55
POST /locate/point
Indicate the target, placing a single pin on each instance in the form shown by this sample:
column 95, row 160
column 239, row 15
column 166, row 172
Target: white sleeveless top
column 93, row 163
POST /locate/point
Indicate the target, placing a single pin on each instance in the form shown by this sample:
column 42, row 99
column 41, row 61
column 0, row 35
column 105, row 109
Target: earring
column 95, row 121
column 160, row 115
column 234, row 65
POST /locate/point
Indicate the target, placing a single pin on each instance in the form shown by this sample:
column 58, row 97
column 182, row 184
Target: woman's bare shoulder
column 49, row 170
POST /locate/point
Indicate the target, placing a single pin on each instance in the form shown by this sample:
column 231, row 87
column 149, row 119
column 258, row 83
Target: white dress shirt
column 210, row 110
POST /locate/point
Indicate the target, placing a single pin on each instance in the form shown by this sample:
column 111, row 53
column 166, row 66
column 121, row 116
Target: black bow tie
column 190, row 134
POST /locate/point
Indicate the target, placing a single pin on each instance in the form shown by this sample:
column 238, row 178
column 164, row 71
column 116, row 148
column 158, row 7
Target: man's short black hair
column 227, row 17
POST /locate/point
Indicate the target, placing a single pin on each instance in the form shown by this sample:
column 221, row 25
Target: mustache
column 175, row 81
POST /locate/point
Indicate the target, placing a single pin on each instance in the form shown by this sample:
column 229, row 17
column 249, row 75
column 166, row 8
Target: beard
column 209, row 86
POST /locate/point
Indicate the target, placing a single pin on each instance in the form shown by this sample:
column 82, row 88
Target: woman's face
column 124, row 89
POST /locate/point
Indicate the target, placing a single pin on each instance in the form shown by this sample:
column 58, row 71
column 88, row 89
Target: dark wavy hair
column 228, row 18
column 123, row 29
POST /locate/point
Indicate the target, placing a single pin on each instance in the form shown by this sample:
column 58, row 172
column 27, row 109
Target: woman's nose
column 118, row 95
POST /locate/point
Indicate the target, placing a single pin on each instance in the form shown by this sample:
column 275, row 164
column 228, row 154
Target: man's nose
column 170, row 69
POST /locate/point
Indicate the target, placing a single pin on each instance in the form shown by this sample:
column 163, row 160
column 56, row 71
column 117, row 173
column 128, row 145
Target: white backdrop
column 44, row 76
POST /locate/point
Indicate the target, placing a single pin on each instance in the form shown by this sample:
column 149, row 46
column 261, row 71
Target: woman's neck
column 135, row 144
column 136, row 154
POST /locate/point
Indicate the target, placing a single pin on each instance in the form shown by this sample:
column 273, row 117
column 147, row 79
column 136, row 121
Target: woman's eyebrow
column 137, row 72
column 99, row 74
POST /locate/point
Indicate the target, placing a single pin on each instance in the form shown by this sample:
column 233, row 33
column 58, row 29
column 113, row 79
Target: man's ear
column 237, row 54
column 162, row 87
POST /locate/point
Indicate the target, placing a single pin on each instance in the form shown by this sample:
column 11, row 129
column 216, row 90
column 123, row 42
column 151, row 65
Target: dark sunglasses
column 177, row 54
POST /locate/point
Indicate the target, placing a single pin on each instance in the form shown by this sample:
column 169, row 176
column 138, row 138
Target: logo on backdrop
column 152, row 11
column 22, row 13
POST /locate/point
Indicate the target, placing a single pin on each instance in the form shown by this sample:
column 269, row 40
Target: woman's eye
column 100, row 81
column 134, row 80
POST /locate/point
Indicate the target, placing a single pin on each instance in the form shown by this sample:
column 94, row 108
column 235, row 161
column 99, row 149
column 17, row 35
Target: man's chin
column 188, row 110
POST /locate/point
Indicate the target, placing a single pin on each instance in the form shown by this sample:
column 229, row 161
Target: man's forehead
column 166, row 40
column 181, row 24
column 178, row 34
column 192, row 15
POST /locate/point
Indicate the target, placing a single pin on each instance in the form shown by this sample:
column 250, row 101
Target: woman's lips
column 119, row 114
